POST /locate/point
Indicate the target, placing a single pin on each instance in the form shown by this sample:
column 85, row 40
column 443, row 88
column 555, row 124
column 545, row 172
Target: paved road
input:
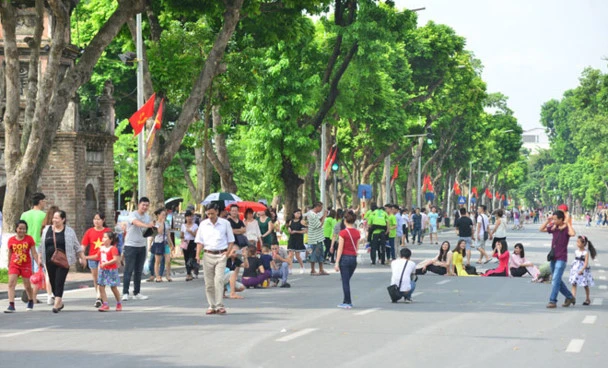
column 454, row 321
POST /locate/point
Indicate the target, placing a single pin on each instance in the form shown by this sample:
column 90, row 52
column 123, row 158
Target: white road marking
column 155, row 308
column 597, row 301
column 367, row 311
column 295, row 335
column 25, row 332
column 602, row 271
column 603, row 287
column 575, row 346
column 602, row 277
column 598, row 264
column 416, row 294
column 589, row 320
column 292, row 280
column 443, row 282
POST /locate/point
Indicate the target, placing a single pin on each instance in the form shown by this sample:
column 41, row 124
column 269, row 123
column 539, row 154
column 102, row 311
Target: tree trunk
column 161, row 156
column 219, row 158
column 203, row 175
column 55, row 91
column 411, row 177
column 292, row 183
column 189, row 182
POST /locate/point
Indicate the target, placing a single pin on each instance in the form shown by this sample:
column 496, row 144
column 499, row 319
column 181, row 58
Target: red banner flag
column 328, row 159
column 395, row 173
column 474, row 191
column 138, row 120
column 457, row 190
column 159, row 115
column 488, row 193
column 503, row 197
column 332, row 160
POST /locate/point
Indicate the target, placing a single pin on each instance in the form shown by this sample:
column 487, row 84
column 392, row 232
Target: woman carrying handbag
column 59, row 251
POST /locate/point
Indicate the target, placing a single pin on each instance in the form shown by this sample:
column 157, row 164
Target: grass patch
column 4, row 276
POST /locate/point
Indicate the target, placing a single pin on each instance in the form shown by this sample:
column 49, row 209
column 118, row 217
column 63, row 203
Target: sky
column 532, row 50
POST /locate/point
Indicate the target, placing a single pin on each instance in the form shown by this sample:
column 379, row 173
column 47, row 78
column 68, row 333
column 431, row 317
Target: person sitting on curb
column 279, row 267
column 231, row 274
column 408, row 283
column 253, row 274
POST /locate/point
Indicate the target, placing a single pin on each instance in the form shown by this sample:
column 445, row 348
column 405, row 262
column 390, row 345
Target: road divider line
column 602, row 277
column 603, row 287
column 598, row 264
column 443, row 282
column 25, row 332
column 295, row 335
column 602, row 271
column 575, row 346
column 367, row 311
column 597, row 301
column 589, row 320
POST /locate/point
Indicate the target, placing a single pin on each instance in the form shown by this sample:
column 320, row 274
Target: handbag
column 550, row 255
column 59, row 258
column 394, row 291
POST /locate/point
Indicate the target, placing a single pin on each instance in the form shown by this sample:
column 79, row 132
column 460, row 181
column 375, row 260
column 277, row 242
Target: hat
column 562, row 207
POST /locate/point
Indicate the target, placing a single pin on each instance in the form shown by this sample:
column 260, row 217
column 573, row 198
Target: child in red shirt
column 109, row 258
column 21, row 251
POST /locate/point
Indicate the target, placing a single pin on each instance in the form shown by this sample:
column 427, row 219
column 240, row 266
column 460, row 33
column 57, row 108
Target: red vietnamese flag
column 488, row 193
column 332, row 160
column 457, row 190
column 395, row 173
column 138, row 120
column 474, row 191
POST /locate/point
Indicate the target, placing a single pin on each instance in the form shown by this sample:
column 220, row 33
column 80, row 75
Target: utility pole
column 141, row 145
column 322, row 166
column 387, row 175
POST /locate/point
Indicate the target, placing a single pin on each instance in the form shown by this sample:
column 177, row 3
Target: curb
column 74, row 285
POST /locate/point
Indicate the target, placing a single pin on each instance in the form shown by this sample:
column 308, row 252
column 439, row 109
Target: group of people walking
column 43, row 240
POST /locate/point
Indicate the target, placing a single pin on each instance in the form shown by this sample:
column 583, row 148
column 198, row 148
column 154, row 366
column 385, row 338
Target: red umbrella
column 255, row 206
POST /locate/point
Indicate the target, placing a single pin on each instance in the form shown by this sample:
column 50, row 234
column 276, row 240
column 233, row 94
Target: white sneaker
column 302, row 270
column 50, row 300
column 125, row 297
column 140, row 296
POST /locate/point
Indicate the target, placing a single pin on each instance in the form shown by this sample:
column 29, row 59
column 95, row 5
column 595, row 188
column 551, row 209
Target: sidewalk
column 81, row 280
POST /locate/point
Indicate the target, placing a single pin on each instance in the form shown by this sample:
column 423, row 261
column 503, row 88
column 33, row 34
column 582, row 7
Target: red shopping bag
column 38, row 279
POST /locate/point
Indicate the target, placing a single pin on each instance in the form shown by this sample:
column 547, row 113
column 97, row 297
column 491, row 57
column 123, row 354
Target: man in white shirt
column 403, row 274
column 215, row 236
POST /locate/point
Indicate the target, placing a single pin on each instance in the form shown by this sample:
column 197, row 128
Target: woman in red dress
column 502, row 253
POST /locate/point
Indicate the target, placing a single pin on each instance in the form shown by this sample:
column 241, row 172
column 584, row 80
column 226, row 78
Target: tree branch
column 203, row 82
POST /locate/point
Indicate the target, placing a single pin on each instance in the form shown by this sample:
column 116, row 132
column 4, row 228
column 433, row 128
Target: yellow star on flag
column 98, row 243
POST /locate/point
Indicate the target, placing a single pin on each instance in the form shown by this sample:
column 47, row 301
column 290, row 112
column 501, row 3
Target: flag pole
column 141, row 144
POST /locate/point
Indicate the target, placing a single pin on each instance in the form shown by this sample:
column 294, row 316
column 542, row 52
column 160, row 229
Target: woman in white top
column 188, row 232
column 499, row 231
column 252, row 228
column 162, row 246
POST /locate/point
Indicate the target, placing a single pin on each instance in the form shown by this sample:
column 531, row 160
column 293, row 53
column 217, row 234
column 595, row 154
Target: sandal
column 158, row 280
column 323, row 273
column 210, row 311
column 314, row 274
column 587, row 302
column 220, row 311
column 169, row 279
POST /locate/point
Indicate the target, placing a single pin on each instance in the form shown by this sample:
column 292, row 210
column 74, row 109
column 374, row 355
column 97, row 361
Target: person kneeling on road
column 403, row 273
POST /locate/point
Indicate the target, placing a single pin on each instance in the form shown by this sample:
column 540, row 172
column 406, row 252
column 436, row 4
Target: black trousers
column 57, row 276
column 406, row 232
column 518, row 272
column 327, row 242
column 378, row 246
column 189, row 254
